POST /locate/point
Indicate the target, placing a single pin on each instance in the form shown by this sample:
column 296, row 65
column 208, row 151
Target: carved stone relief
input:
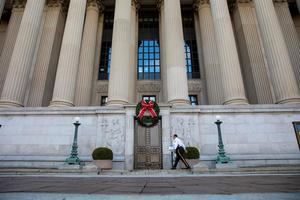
column 149, row 86
column 113, row 134
column 194, row 85
column 186, row 128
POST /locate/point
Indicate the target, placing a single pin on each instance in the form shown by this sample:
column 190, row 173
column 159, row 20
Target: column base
column 236, row 102
column 294, row 100
column 179, row 102
column 119, row 103
column 57, row 103
column 10, row 104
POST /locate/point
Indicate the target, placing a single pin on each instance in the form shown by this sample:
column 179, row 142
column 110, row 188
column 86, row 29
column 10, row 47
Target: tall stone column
column 2, row 4
column 162, row 45
column 203, row 96
column 133, row 51
column 87, row 56
column 251, row 53
column 233, row 87
column 19, row 68
column 47, row 57
column 118, row 89
column 65, row 82
column 177, row 84
column 210, row 54
column 11, row 36
column 290, row 35
column 95, row 96
column 281, row 70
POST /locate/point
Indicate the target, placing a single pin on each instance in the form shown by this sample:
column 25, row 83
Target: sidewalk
column 47, row 196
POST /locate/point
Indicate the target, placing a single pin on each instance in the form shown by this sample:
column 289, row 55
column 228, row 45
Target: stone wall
column 252, row 134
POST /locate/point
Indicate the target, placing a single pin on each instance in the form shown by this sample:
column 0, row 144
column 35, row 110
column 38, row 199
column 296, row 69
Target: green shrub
column 192, row 153
column 102, row 153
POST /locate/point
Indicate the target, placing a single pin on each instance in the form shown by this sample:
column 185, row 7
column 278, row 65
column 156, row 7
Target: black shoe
column 173, row 168
column 187, row 168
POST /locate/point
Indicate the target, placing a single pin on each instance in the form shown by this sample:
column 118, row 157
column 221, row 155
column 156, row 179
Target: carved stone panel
column 113, row 134
column 186, row 127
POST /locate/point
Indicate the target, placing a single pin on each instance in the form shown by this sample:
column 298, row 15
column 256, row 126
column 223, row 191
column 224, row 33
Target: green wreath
column 150, row 106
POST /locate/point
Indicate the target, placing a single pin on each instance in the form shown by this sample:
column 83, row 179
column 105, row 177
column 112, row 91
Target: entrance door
column 147, row 147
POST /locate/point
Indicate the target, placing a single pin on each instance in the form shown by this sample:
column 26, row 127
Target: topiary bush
column 102, row 153
column 192, row 153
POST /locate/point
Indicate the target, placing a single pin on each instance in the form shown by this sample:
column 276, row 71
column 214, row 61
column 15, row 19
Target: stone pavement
column 248, row 196
column 224, row 185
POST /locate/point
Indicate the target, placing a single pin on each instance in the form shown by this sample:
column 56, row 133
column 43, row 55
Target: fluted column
column 19, row 68
column 177, row 84
column 290, row 35
column 281, row 70
column 118, row 89
column 10, row 40
column 133, row 52
column 252, row 57
column 95, row 101
column 65, row 82
column 233, row 87
column 210, row 54
column 162, row 44
column 87, row 56
column 2, row 4
column 47, row 57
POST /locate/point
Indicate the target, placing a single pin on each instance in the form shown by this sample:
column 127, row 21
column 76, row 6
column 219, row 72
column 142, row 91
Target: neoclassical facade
column 77, row 53
column 237, row 58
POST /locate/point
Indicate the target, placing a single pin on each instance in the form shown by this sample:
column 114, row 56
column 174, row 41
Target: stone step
column 91, row 170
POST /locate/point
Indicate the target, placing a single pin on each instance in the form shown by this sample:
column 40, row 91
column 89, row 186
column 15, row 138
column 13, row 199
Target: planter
column 103, row 164
column 193, row 162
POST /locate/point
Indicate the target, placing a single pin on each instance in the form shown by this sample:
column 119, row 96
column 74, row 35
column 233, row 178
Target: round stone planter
column 103, row 164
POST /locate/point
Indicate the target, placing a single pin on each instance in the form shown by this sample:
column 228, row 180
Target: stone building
column 96, row 59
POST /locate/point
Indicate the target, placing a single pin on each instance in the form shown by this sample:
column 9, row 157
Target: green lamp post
column 73, row 159
column 221, row 158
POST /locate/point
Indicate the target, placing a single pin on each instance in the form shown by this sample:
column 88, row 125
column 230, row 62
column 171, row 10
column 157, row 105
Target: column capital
column 159, row 3
column 64, row 4
column 19, row 4
column 243, row 1
column 199, row 3
column 136, row 4
column 280, row 1
column 95, row 4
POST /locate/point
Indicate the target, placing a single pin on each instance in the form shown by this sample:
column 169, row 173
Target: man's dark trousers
column 179, row 156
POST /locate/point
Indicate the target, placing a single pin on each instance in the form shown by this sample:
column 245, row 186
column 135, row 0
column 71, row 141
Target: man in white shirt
column 180, row 149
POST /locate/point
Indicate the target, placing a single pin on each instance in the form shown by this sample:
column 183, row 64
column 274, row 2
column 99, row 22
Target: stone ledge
column 94, row 110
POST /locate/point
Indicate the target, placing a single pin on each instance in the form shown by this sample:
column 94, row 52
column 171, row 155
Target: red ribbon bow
column 147, row 106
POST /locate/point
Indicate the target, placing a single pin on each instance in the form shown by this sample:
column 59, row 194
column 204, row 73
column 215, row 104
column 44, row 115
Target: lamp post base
column 73, row 161
column 221, row 159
